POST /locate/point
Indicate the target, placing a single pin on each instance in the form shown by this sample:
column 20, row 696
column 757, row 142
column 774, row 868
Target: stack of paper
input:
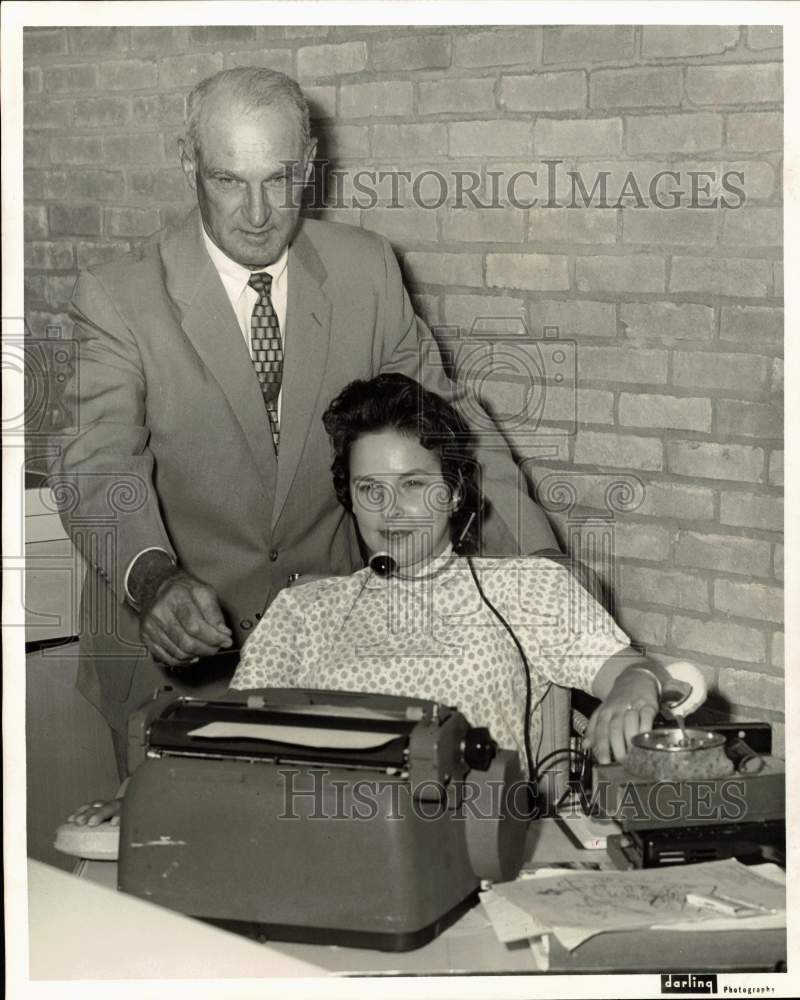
column 576, row 905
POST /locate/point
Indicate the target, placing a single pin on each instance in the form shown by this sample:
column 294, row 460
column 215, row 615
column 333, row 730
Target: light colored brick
column 158, row 39
column 622, row 364
column 752, row 83
column 55, row 183
column 583, row 43
column 776, row 377
column 321, row 101
column 635, row 88
column 91, row 252
column 442, row 96
column 666, row 321
column 39, row 323
column 749, row 600
column 684, row 133
column 764, row 36
column 544, row 92
column 756, row 325
column 577, row 137
column 483, row 225
column 408, row 225
column 687, row 503
column 35, row 149
column 750, row 510
column 777, row 278
column 619, row 451
column 35, row 222
column 723, row 639
column 756, row 131
column 673, row 412
column 135, row 149
column 709, row 460
column 664, row 586
column 98, row 40
column 499, row 47
column 102, row 112
column 222, row 34
column 102, row 185
column 777, row 562
column 725, row 553
column 736, row 418
column 753, row 227
column 503, row 138
column 733, row 276
column 679, row 225
column 622, row 183
column 534, row 271
column 776, row 468
column 776, row 650
column 411, row 53
column 74, row 220
column 187, row 70
column 158, row 109
column 71, row 149
column 756, row 178
column 332, row 60
column 465, row 311
column 280, row 60
column 47, row 114
column 741, row 687
column 128, row 74
column 445, row 268
column 343, row 141
column 630, row 273
column 572, row 225
column 70, row 79
column 644, row 627
column 713, row 370
column 369, row 100
column 595, row 406
column 409, row 141
column 574, row 318
column 38, row 42
column 131, row 221
column 671, row 41
column 635, row 540
column 58, row 290
column 158, row 185
column 46, row 255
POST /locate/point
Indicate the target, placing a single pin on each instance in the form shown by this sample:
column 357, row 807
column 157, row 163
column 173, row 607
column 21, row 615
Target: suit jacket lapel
column 307, row 340
column 210, row 323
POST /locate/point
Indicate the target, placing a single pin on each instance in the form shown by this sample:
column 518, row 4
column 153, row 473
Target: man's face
column 248, row 178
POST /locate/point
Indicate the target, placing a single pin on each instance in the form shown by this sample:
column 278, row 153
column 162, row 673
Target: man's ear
column 187, row 163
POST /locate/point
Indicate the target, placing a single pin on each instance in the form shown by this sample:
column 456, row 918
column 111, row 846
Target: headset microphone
column 383, row 564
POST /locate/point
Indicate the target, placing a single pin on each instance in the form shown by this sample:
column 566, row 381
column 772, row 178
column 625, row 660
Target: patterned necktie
column 265, row 339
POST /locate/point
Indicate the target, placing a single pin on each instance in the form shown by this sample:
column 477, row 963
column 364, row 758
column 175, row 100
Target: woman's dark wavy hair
column 395, row 401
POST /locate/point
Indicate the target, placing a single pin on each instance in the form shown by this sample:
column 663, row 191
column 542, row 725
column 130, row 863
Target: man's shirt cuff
column 152, row 548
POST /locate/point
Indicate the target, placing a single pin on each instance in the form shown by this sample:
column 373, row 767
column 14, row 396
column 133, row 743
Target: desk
column 470, row 945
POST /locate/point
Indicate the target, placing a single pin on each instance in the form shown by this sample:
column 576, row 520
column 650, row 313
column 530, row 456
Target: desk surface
column 470, row 945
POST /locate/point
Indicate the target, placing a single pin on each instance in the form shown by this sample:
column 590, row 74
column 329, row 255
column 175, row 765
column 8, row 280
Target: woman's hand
column 95, row 813
column 630, row 708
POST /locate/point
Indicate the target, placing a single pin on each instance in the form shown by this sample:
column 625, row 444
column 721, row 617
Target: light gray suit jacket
column 171, row 444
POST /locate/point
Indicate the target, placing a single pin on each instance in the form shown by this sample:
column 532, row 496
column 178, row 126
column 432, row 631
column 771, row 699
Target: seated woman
column 427, row 620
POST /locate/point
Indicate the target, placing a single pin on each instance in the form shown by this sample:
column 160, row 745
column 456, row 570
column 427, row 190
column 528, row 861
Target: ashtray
column 678, row 755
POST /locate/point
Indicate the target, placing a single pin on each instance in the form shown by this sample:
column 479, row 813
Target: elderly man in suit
column 205, row 362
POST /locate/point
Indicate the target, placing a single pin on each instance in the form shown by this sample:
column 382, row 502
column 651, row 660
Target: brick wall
column 675, row 315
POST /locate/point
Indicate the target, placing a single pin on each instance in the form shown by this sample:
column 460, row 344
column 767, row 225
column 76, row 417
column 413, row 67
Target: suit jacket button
column 273, row 555
column 245, row 623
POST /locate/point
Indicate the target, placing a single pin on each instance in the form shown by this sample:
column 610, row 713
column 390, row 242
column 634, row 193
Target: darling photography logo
column 688, row 982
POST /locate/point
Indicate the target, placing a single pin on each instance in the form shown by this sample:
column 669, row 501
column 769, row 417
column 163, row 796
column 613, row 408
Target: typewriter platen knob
column 479, row 748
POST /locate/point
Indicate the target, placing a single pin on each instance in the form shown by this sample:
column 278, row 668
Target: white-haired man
column 205, row 363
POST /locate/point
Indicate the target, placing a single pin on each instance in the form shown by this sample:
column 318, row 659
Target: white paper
column 300, row 736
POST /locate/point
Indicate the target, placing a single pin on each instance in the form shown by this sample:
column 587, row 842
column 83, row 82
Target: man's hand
column 179, row 616
column 630, row 708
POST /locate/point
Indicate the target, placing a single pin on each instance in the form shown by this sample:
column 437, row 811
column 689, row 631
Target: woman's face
column 400, row 500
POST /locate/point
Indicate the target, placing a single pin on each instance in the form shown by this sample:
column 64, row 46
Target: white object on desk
column 83, row 931
column 96, row 843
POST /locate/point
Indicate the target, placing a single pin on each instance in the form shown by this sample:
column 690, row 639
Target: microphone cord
column 528, row 682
